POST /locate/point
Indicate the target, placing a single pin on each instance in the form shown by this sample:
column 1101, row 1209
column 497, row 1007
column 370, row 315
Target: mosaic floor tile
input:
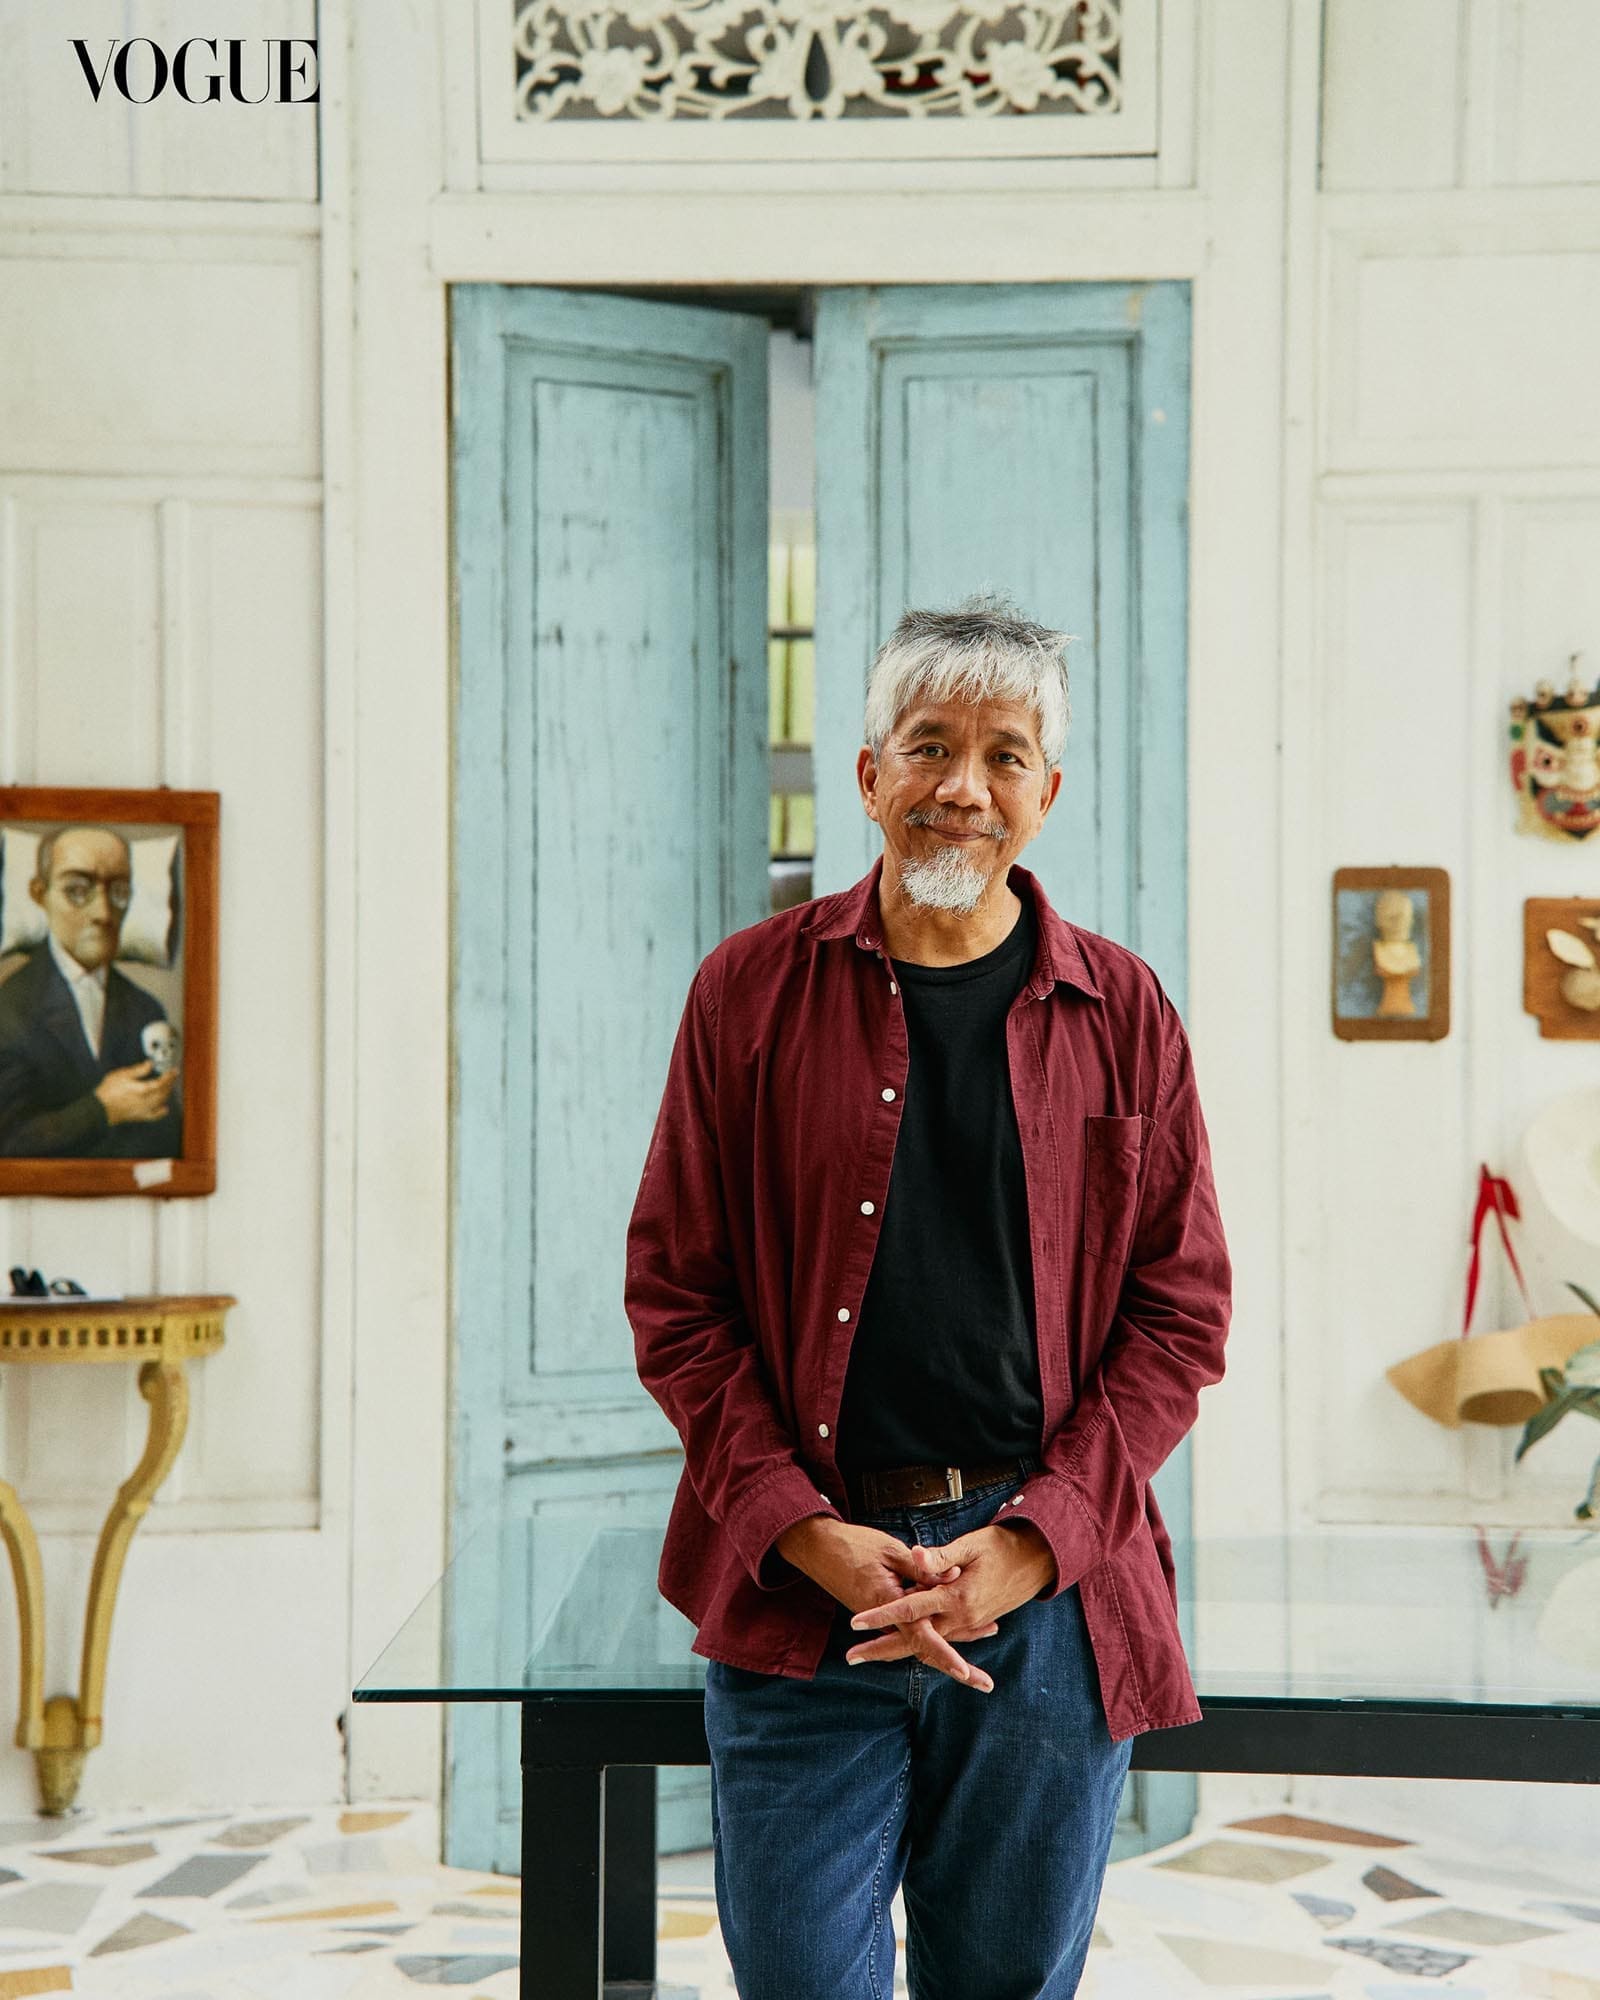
column 273, row 1892
column 1194, row 1904
column 104, row 1857
column 1410, row 1989
column 40, row 1979
column 270, row 1937
column 1473, row 1927
column 145, row 1928
column 1395, row 1888
column 257, row 1832
column 686, row 1923
column 1396, row 1957
column 1543, row 1983
column 1136, row 1979
column 1561, row 1876
column 204, row 1875
column 1221, row 1962
column 325, row 1915
column 57, row 1907
column 1316, row 1829
column 1328, row 1910
column 370, row 1822
column 366, row 1855
column 1246, row 1861
column 452, row 1971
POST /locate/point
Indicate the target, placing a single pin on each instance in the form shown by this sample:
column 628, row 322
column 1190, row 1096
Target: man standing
column 926, row 1269
column 75, row 1081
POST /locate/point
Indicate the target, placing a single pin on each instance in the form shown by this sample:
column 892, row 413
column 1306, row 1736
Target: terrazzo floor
column 348, row 1905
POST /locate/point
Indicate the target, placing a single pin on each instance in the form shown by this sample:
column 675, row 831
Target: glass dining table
column 1380, row 1652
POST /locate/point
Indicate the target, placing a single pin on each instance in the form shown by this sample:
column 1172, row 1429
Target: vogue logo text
column 205, row 72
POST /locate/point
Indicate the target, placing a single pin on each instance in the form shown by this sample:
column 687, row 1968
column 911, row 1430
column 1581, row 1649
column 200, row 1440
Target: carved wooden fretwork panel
column 803, row 59
column 820, row 78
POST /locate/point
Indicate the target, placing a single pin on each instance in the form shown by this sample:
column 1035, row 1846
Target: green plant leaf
column 1542, row 1422
column 1582, row 1294
column 1554, row 1381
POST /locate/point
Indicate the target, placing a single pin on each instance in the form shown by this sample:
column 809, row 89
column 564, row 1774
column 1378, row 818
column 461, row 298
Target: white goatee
column 947, row 880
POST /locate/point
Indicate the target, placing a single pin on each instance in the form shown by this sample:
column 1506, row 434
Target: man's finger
column 936, row 1650
column 904, row 1610
column 898, row 1645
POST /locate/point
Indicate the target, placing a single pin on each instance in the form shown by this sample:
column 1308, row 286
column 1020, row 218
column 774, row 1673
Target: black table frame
column 589, row 1794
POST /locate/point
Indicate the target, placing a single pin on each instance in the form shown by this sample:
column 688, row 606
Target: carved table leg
column 22, row 1545
column 69, row 1729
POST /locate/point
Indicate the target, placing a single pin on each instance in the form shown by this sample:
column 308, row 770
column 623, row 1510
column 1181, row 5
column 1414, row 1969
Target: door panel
column 611, row 820
column 1032, row 439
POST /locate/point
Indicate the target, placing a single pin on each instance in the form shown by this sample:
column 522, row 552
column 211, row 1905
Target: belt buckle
column 952, row 1482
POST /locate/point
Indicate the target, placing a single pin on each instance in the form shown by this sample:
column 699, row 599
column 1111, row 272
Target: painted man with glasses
column 76, row 1079
column 927, row 1271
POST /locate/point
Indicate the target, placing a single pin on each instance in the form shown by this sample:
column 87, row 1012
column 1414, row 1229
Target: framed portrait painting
column 1391, row 954
column 108, row 991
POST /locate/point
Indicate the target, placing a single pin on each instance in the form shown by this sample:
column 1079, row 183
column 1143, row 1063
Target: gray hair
column 982, row 650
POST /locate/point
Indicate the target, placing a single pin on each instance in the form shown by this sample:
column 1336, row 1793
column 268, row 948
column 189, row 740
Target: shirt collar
column 71, row 971
column 854, row 913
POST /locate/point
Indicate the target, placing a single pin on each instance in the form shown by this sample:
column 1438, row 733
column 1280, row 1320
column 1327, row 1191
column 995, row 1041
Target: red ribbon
column 1494, row 1196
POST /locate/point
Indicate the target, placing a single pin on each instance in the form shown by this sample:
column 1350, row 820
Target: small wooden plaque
column 1543, row 972
column 1357, row 990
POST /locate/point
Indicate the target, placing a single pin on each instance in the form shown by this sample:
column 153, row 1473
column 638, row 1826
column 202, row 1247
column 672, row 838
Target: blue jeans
column 995, row 1812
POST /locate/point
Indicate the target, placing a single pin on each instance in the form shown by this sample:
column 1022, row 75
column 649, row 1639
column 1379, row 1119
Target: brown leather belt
column 920, row 1485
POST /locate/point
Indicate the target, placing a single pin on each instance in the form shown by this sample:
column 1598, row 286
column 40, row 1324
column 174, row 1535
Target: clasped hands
column 934, row 1600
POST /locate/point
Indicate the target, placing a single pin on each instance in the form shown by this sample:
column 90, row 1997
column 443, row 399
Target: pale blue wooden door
column 610, row 500
column 1031, row 438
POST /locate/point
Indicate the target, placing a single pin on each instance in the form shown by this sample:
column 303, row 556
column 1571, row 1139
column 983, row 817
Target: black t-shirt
column 944, row 1365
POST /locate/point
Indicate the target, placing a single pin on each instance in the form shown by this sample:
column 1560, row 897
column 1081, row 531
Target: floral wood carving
column 806, row 59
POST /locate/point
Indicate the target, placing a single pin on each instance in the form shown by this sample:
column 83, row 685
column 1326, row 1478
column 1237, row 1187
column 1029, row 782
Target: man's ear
column 867, row 780
column 36, row 889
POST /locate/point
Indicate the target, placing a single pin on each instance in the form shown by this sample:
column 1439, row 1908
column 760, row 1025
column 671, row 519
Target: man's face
column 87, row 894
column 961, row 790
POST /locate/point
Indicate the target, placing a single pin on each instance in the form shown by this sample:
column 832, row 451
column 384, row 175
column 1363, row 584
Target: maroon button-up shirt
column 754, row 1230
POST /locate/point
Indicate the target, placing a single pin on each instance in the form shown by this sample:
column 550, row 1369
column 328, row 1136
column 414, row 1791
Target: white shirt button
column 824, row 1499
column 866, row 1208
column 892, row 987
column 1016, row 1499
column 844, row 1312
column 888, row 1097
column 822, row 1430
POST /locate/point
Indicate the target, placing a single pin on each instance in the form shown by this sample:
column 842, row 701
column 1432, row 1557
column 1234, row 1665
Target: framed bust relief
column 108, row 991
column 1391, row 954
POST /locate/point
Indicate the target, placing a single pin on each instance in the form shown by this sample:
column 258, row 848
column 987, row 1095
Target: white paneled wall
column 161, row 620
column 1459, row 93
column 1454, row 493
column 56, row 139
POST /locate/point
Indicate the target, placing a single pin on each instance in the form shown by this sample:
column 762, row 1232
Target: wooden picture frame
column 86, row 1107
column 1368, row 1003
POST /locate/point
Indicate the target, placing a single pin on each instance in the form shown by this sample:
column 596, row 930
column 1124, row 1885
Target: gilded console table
column 157, row 1335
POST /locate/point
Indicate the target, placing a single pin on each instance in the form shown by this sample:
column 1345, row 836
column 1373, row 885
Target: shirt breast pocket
column 1111, row 1151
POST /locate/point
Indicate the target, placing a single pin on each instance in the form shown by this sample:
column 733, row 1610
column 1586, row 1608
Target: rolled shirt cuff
column 776, row 1503
column 1053, row 1505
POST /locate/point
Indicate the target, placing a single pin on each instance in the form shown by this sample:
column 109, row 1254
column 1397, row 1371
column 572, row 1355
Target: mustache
column 924, row 816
